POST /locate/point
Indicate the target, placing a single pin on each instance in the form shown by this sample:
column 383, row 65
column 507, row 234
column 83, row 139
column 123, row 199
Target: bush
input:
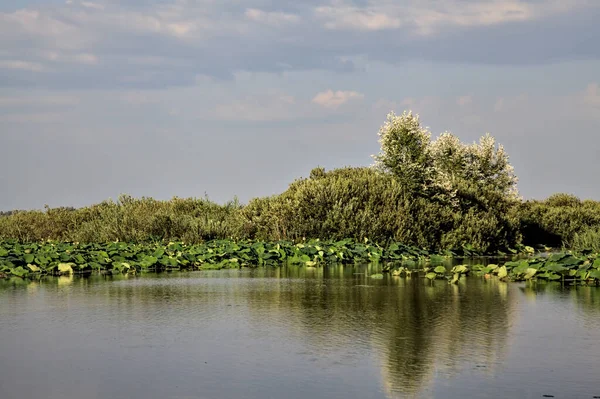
column 556, row 221
column 364, row 202
column 129, row 219
column 436, row 194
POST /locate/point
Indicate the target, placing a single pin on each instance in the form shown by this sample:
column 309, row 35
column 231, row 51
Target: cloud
column 38, row 100
column 271, row 18
column 355, row 18
column 463, row 101
column 137, row 45
column 78, row 58
column 21, row 65
column 89, row 4
column 331, row 99
column 591, row 95
column 426, row 17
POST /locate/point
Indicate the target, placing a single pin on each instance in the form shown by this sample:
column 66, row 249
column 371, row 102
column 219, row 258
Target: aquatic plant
column 24, row 260
column 564, row 267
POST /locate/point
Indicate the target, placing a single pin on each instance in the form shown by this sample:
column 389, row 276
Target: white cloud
column 429, row 16
column 86, row 58
column 22, row 65
column 79, row 58
column 463, row 101
column 591, row 95
column 356, row 18
column 153, row 44
column 95, row 6
column 37, row 100
column 331, row 99
column 271, row 18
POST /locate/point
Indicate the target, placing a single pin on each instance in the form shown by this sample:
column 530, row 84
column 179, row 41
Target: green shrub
column 128, row 219
column 364, row 202
column 556, row 221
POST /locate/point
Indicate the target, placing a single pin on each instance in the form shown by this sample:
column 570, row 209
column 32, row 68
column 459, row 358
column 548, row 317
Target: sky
column 186, row 98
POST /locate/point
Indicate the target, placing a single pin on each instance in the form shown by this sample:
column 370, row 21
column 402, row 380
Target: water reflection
column 411, row 333
column 413, row 326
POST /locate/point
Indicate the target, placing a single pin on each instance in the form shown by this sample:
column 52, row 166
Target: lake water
column 296, row 333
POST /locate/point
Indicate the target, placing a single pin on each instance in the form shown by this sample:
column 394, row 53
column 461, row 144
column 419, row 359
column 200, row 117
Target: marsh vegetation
column 426, row 196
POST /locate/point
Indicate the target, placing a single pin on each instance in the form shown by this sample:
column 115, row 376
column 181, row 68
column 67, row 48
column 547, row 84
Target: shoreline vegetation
column 429, row 197
column 35, row 260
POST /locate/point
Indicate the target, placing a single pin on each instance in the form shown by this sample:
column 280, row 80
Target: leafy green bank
column 436, row 195
column 39, row 259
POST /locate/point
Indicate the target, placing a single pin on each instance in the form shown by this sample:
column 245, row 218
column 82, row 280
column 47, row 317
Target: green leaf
column 529, row 250
column 502, row 272
column 555, row 267
column 377, row 276
column 431, row 276
column 595, row 274
column 436, row 259
column 19, row 272
column 460, row 269
column 530, row 273
column 95, row 265
column 440, row 270
column 65, row 268
column 33, row 268
column 159, row 253
column 29, row 258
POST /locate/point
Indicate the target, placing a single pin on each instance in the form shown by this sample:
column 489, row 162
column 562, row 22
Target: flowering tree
column 468, row 191
column 405, row 151
column 444, row 166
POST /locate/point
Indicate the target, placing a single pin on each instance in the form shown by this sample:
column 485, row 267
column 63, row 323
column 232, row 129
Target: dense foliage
column 562, row 219
column 23, row 260
column 366, row 202
column 36, row 259
column 439, row 194
column 128, row 219
column 567, row 268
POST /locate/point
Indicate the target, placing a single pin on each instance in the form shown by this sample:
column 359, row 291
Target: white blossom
column 445, row 164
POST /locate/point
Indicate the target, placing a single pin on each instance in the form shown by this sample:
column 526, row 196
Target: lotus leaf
column 19, row 272
column 431, row 276
column 502, row 272
column 460, row 269
column 440, row 270
column 530, row 273
column 33, row 268
column 65, row 268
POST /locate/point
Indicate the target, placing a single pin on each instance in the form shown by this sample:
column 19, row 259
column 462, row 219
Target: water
column 295, row 333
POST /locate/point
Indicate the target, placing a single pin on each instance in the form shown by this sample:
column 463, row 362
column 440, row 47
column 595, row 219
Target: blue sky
column 185, row 98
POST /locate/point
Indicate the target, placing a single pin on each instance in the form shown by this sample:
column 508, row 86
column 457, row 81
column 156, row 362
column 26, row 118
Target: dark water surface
column 295, row 333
